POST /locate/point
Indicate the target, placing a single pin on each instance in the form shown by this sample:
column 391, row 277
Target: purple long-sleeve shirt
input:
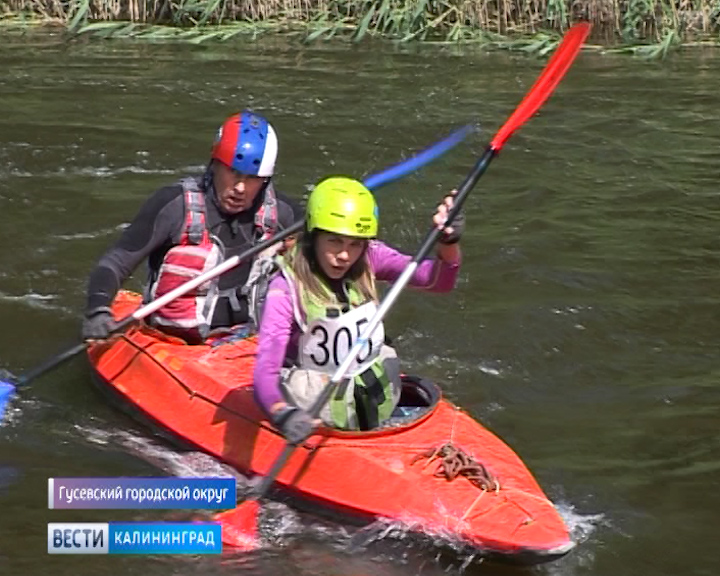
column 280, row 333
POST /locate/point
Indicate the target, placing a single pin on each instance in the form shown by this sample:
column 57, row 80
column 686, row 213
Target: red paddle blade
column 240, row 526
column 554, row 71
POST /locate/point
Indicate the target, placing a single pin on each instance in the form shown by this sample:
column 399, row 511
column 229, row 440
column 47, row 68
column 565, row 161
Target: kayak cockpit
column 418, row 399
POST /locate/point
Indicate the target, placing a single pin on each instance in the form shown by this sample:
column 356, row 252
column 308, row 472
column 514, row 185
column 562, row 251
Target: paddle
column 241, row 522
column 372, row 182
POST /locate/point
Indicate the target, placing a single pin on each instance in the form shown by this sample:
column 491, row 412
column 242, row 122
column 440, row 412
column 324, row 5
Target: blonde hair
column 303, row 262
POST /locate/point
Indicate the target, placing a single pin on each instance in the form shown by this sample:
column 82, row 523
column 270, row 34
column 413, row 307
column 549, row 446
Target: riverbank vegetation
column 649, row 27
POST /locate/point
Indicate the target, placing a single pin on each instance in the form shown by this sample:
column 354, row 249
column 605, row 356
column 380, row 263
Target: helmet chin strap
column 260, row 196
column 207, row 182
column 209, row 186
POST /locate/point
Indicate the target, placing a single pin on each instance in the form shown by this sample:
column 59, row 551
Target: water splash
column 581, row 526
column 171, row 461
column 93, row 171
column 33, row 300
column 487, row 368
column 92, row 235
column 405, row 539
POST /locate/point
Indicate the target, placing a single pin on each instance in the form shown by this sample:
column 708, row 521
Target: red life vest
column 198, row 251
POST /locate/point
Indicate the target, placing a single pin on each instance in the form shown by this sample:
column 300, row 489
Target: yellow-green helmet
column 344, row 206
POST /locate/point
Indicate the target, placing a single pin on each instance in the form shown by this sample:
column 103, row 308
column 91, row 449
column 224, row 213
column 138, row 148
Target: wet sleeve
column 158, row 222
column 432, row 275
column 273, row 340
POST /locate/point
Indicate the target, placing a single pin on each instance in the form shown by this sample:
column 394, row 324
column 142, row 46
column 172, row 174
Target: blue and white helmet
column 247, row 143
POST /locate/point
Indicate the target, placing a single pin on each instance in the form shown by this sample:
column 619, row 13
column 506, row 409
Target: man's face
column 235, row 191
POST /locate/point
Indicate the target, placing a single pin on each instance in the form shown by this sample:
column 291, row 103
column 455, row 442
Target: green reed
column 644, row 27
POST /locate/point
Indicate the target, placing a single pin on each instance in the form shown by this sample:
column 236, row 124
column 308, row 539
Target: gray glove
column 98, row 324
column 294, row 423
column 458, row 226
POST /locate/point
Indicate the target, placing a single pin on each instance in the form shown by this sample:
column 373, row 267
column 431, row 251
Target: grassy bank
column 645, row 26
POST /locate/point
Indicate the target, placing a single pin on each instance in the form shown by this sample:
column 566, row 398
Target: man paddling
column 191, row 226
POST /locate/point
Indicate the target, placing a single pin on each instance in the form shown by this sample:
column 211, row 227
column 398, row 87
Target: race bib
column 326, row 342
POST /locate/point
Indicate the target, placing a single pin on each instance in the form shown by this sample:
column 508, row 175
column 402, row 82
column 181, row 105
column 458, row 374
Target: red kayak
column 433, row 468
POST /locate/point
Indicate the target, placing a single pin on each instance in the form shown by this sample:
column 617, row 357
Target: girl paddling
column 319, row 303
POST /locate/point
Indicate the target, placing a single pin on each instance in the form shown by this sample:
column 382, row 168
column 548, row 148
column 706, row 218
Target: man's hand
column 98, row 324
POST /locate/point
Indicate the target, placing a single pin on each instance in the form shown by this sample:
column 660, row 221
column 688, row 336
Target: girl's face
column 337, row 253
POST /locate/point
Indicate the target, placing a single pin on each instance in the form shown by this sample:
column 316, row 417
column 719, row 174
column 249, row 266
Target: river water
column 581, row 331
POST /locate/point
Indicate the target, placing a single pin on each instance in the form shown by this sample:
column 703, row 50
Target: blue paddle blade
column 6, row 391
column 419, row 160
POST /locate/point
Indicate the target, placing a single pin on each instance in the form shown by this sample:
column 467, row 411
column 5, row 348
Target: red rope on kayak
column 455, row 462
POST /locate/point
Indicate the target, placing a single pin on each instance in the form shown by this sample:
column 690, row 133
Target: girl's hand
column 451, row 234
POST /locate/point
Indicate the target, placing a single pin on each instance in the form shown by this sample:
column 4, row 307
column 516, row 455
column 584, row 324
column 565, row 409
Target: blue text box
column 134, row 538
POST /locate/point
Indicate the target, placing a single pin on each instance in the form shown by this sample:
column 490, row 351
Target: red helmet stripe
column 224, row 150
